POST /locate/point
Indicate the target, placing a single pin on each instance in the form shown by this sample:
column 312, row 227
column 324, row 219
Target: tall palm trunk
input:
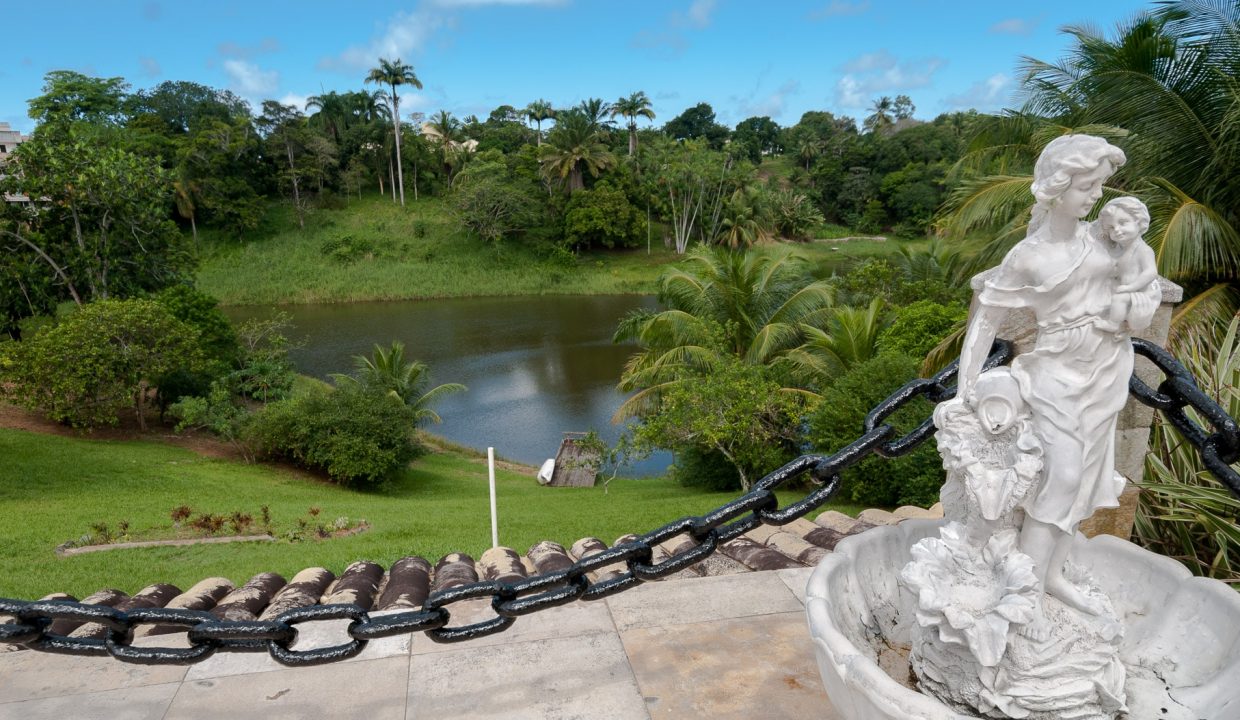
column 632, row 138
column 400, row 175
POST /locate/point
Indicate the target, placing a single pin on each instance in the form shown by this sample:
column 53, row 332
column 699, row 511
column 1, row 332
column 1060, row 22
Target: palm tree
column 387, row 371
column 632, row 107
column 332, row 115
column 597, row 111
column 1164, row 90
column 538, row 111
column 746, row 219
column 393, row 73
column 850, row 338
column 881, row 115
column 574, row 148
column 809, row 148
column 754, row 307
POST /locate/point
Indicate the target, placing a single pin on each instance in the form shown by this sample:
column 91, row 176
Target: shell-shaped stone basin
column 1181, row 633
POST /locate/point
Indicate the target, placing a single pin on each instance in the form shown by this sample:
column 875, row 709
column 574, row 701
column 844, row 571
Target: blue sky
column 775, row 57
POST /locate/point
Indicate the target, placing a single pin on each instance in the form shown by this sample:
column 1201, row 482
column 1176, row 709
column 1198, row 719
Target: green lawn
column 54, row 488
column 421, row 252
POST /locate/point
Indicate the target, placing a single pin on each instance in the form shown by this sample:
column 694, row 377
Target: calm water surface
column 535, row 366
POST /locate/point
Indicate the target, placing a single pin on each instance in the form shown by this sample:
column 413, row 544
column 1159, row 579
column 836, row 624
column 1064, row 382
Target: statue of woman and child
column 1008, row 627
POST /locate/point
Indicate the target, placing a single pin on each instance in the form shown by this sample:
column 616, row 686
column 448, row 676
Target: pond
column 535, row 367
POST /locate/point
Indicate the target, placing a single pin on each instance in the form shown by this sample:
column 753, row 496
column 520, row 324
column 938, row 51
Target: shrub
column 264, row 371
column 914, row 479
column 357, row 436
column 200, row 311
column 347, row 248
column 108, row 355
column 706, row 469
column 603, row 217
column 918, row 328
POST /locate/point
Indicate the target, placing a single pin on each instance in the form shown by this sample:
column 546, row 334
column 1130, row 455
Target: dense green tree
column 219, row 176
column 395, row 73
column 603, row 217
column 70, row 96
column 757, row 136
column 738, row 411
column 99, row 219
column 697, row 122
column 99, row 360
column 184, row 107
column 492, row 204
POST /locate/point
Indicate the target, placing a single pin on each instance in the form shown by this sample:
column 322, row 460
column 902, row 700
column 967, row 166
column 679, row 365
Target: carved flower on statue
column 972, row 598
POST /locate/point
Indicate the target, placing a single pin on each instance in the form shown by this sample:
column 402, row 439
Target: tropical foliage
column 387, row 371
column 1162, row 87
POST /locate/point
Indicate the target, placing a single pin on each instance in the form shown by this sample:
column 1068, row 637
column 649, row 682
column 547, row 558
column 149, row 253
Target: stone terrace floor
column 728, row 646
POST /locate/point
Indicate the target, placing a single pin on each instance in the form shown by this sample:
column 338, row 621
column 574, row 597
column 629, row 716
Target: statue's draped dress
column 1075, row 380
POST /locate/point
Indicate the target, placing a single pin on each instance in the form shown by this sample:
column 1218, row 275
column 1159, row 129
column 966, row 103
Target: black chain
column 510, row 600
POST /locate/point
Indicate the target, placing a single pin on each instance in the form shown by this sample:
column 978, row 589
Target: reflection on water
column 535, row 366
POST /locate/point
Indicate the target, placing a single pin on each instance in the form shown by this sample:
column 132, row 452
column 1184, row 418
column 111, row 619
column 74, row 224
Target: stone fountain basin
column 1181, row 645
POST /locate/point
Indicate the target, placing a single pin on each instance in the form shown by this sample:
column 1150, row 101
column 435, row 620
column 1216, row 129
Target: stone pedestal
column 1133, row 429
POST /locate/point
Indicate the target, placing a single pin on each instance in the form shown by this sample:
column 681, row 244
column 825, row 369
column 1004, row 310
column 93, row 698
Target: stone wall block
column 501, row 563
column 304, row 589
column 453, row 570
column 408, row 584
column 247, row 601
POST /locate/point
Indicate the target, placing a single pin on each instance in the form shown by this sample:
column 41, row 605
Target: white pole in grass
column 494, row 517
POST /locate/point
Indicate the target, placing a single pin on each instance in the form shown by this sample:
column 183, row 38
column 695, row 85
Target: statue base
column 1179, row 647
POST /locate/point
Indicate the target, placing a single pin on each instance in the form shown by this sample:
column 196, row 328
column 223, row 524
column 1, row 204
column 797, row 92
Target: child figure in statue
column 1075, row 379
column 1120, row 225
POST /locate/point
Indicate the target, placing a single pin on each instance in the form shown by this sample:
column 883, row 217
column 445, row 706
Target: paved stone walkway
column 731, row 646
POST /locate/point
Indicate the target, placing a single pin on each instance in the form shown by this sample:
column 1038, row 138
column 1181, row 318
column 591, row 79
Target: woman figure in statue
column 1075, row 380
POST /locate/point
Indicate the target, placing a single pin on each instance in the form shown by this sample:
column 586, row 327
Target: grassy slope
column 54, row 488
column 286, row 265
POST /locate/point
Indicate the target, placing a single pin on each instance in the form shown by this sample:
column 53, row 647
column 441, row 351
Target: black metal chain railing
column 207, row 634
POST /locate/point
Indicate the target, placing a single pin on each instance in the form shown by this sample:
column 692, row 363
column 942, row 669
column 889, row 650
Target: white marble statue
column 1010, row 628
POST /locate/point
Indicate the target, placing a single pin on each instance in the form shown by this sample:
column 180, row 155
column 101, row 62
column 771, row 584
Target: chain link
column 206, row 634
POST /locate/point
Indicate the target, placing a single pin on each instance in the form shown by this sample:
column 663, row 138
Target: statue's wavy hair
column 1062, row 159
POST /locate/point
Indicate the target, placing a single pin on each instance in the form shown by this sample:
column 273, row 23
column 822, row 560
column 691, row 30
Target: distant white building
column 9, row 140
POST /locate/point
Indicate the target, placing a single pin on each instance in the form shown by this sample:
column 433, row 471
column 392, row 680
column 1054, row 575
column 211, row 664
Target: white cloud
column 247, row 52
column 987, row 94
column 483, row 3
column 1014, row 26
column 881, row 72
column 404, row 34
column 839, row 8
column 672, row 35
column 771, row 105
column 408, row 32
column 250, row 80
column 296, row 100
column 699, row 13
column 880, row 60
column 150, row 67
